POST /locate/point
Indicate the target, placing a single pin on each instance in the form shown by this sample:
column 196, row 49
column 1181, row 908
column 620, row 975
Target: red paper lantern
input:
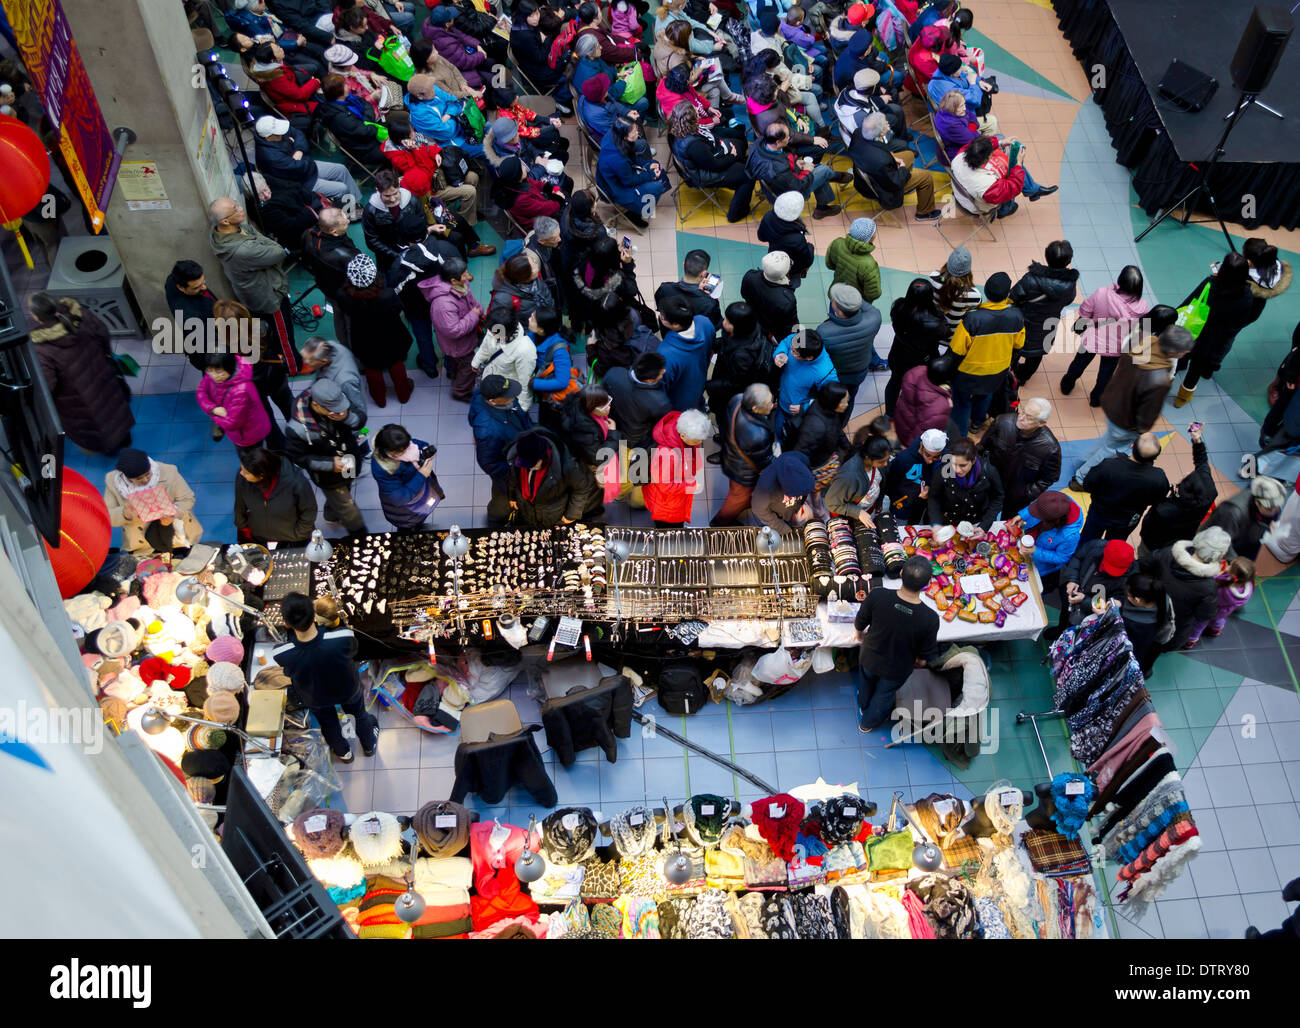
column 84, row 535
column 27, row 169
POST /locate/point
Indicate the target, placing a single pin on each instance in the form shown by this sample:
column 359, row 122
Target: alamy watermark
column 935, row 726
column 53, row 726
column 181, row 335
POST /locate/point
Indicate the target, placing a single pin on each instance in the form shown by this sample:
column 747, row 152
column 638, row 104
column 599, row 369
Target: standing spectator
column 768, row 292
column 907, row 480
column 283, row 155
column 747, row 438
column 322, row 669
column 1236, row 586
column 235, row 325
column 676, row 467
column 188, row 295
column 393, row 219
column 925, row 401
column 954, row 289
column 1106, row 320
column 964, row 488
column 783, row 229
column 1232, row 307
column 1269, row 276
column 1136, row 392
column 273, row 500
column 919, row 327
column 686, row 348
column 850, row 257
column 1148, row 614
column 379, row 336
column 152, row 503
column 1178, row 514
column 1249, row 514
column 690, row 287
column 458, row 320
column 547, row 486
column 87, row 387
column 555, row 380
column 329, row 360
column 1054, row 521
column 744, row 357
column 1041, row 294
column 989, row 177
column 1122, row 488
column 496, row 418
column 1098, row 570
column 1189, row 571
column 640, row 398
column 327, row 250
column 858, row 490
column 849, row 335
column 589, row 433
column 782, row 489
column 227, row 395
column 543, row 243
column 507, row 350
column 606, row 286
column 900, row 633
column 403, row 470
column 518, row 288
column 801, row 377
column 322, row 440
column 820, row 435
column 1025, row 452
column 985, row 341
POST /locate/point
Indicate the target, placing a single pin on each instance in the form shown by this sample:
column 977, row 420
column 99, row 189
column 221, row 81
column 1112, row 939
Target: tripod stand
column 1188, row 202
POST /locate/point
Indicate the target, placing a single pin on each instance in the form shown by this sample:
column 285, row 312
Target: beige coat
column 132, row 530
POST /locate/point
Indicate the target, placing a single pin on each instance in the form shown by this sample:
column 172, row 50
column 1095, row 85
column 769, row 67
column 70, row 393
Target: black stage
column 1134, row 40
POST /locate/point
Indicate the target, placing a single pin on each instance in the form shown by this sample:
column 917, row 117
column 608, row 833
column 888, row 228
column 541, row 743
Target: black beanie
column 133, row 463
column 998, row 287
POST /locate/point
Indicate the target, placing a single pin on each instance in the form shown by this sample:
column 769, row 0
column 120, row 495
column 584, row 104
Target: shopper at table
column 274, row 502
column 858, row 489
column 676, row 467
column 546, row 485
column 805, row 366
column 964, row 488
column 329, row 360
column 781, row 491
column 403, row 470
column 152, row 503
column 323, row 675
column 907, row 480
column 747, row 439
column 1150, row 618
column 322, row 440
column 496, row 419
column 1054, row 521
column 1097, row 572
column 1025, row 452
column 1178, row 514
column 900, row 633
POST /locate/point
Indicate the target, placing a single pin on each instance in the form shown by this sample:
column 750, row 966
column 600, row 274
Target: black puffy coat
column 747, row 440
column 917, row 335
column 378, row 335
column 581, row 434
column 742, row 362
column 637, row 407
column 567, row 488
column 352, row 133
column 1041, row 294
column 791, row 238
column 951, row 503
column 90, row 394
column 775, row 304
column 599, row 716
column 1189, row 583
column 820, row 435
column 1179, row 514
column 1027, row 467
column 1229, row 314
column 1239, row 517
column 287, row 516
column 387, row 236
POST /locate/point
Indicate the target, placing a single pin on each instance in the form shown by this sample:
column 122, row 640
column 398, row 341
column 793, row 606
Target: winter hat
column 417, row 181
column 125, row 608
column 788, row 206
column 634, row 831
column 862, row 229
column 866, row 79
column 202, row 737
column 132, row 463
column 327, row 392
column 846, row 297
column 1268, row 492
column 776, row 267
column 569, row 835
column 225, row 649
column 340, row 871
column 949, row 64
column 223, row 707
column 768, row 22
column 226, row 677
column 595, row 88
column 504, row 130
column 442, row 15
column 362, row 271
column 510, row 170
column 376, row 838
column 201, row 790
column 160, row 589
column 1051, row 506
column 341, row 56
column 705, row 816
column 1116, row 558
column 211, row 764
column 114, row 710
column 155, row 669
column 793, row 474
column 959, row 261
column 87, row 610
column 119, row 638
column 1211, row 544
column 777, row 819
column 319, row 833
column 857, row 14
column 998, row 287
column 934, row 440
column 529, row 449
column 442, row 828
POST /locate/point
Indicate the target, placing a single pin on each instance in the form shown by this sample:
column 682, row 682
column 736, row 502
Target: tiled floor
column 1230, row 705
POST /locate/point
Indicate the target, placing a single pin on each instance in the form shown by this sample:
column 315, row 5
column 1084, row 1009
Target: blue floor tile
column 154, row 410
column 622, row 780
column 797, row 767
column 666, row 776
column 577, row 785
column 763, row 766
column 793, row 730
column 842, row 766
column 837, row 728
column 706, row 776
column 752, row 733
column 713, row 733
column 886, row 768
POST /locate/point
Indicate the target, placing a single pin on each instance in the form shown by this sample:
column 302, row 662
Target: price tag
column 636, row 819
column 775, row 810
column 370, row 827
column 1010, row 797
column 707, row 809
column 444, row 821
column 850, row 811
column 315, row 823
column 1074, row 788
column 569, row 821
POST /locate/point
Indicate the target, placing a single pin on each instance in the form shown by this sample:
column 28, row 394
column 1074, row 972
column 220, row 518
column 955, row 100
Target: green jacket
column 853, row 265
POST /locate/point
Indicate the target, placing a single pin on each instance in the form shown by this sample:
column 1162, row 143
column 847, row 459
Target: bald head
column 1146, row 448
column 333, row 221
column 221, row 210
column 421, row 87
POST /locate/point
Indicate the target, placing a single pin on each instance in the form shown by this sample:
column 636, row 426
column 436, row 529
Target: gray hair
column 1176, row 341
column 318, row 350
column 1037, row 403
column 218, row 211
column 544, row 227
column 874, row 125
column 1211, row 543
column 756, row 395
column 694, row 426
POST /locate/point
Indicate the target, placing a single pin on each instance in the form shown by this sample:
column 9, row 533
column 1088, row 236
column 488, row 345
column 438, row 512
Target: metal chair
column 710, row 195
column 865, row 188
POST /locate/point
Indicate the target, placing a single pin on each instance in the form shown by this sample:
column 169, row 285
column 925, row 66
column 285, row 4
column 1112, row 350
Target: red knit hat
column 859, row 13
column 1116, row 558
column 155, row 669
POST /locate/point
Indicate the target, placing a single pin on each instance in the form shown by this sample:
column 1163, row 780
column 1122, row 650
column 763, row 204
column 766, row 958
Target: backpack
column 681, row 689
column 561, row 44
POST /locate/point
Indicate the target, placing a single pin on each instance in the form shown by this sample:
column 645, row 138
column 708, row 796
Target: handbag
column 893, row 850
column 472, row 119
column 633, row 82
column 394, row 58
column 1192, row 316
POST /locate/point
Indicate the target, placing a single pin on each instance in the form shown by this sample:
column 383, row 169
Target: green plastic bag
column 893, row 850
column 394, row 59
column 381, row 131
column 634, row 82
column 474, row 119
column 126, row 365
column 1192, row 316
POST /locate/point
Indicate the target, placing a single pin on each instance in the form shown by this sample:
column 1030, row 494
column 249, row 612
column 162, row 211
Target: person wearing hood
column 1188, row 570
column 380, row 339
column 393, row 219
column 457, row 318
column 781, row 490
column 546, row 485
column 768, row 292
column 152, row 503
column 227, row 395
column 1178, row 514
column 274, row 502
column 850, row 257
column 964, row 488
column 1097, row 570
column 706, row 160
column 686, row 348
column 805, row 367
column 460, row 49
column 1106, row 319
column 496, row 419
column 1269, row 276
column 1249, row 514
column 87, row 388
column 403, row 470
column 985, row 341
column 1136, row 392
column 1055, row 522
column 924, row 401
column 924, row 54
column 1041, row 294
column 858, row 489
column 323, row 442
column 849, row 335
column 1232, row 305
column 676, row 467
column 1025, row 452
column 506, row 350
column 1122, row 488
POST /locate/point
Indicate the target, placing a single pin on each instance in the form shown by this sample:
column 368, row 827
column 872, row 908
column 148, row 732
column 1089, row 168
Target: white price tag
column 850, row 811
column 636, row 819
column 569, row 821
column 1010, row 796
column 775, row 810
column 444, row 821
column 370, row 827
column 707, row 809
column 1074, row 788
column 315, row 823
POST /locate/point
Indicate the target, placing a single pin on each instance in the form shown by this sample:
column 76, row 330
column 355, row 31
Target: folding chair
column 710, row 195
column 525, row 87
column 354, row 162
column 865, row 188
column 982, row 221
column 924, row 97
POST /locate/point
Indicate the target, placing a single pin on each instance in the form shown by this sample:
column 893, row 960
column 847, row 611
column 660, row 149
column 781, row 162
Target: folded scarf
column 779, row 832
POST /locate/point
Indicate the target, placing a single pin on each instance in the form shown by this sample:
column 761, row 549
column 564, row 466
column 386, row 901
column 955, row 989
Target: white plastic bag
column 823, row 660
column 779, row 668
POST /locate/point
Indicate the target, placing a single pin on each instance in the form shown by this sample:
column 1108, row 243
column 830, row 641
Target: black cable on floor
column 642, row 719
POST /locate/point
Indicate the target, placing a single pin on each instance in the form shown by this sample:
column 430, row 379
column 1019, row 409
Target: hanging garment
column 589, row 717
column 490, row 769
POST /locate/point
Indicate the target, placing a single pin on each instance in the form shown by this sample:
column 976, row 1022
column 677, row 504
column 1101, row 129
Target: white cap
column 269, row 126
column 776, row 267
column 554, row 167
column 788, row 206
column 934, row 440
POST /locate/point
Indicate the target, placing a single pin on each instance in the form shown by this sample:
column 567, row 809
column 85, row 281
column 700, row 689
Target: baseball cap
column 934, row 440
column 1116, row 558
column 327, row 394
column 493, row 387
column 269, row 126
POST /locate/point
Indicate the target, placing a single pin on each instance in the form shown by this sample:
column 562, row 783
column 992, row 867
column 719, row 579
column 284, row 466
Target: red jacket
column 533, row 203
column 674, row 473
column 921, row 405
column 288, row 96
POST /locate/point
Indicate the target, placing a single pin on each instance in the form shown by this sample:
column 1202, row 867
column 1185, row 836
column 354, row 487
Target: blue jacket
column 599, row 118
column 406, row 496
column 494, row 430
column 688, row 364
column 274, row 158
column 941, row 83
column 859, row 52
column 620, row 178
column 589, row 68
column 1053, row 548
column 426, row 117
column 800, row 379
column 553, row 348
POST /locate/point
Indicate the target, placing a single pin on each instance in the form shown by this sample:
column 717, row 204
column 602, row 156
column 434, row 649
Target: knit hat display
column 224, row 649
column 88, row 610
column 201, row 737
column 998, row 287
column 959, row 261
column 155, row 669
column 1051, row 506
column 569, row 835
column 223, row 707
column 114, row 710
column 132, row 463
column 634, row 831
column 788, row 206
column 934, row 440
column 226, row 677
column 319, row 833
column 1117, row 558
column 865, row 80
column 949, row 64
column 376, row 838
column 705, row 816
column 338, row 871
column 442, row 828
column 119, row 638
column 776, row 267
column 504, row 130
column 362, row 271
column 777, row 819
column 846, row 297
column 211, row 764
column 272, row 678
column 201, row 790
column 862, row 229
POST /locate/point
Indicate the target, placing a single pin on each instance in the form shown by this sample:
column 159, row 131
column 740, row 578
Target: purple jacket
column 455, row 316
column 452, row 44
column 954, row 131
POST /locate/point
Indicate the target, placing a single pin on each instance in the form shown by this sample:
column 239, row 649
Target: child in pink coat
column 1105, row 320
column 1236, row 586
column 229, row 397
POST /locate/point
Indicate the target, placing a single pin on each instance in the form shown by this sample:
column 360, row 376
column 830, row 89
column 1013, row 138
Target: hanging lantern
column 26, row 177
column 84, row 535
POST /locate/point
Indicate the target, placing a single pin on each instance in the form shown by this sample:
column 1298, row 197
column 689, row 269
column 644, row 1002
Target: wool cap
column 862, row 229
column 846, row 297
column 511, row 170
column 788, row 206
column 223, row 707
column 959, row 262
column 448, row 840
column 133, row 463
column 224, row 676
column 201, row 790
column 595, row 88
column 776, row 267
column 866, row 79
column 949, row 64
column 155, row 669
column 201, row 737
column 504, row 130
column 329, row 395
column 934, row 440
column 1116, row 558
column 211, row 764
column 119, row 638
column 998, row 287
column 319, row 833
column 225, row 648
column 793, row 474
column 859, row 13
column 362, row 271
column 1050, row 506
column 341, row 56
column 1268, row 492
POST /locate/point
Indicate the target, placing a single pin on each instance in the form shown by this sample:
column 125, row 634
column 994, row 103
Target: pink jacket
column 921, row 405
column 246, row 420
column 455, row 316
column 1118, row 312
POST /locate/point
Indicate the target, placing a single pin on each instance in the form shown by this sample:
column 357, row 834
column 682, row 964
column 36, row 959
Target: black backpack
column 681, row 688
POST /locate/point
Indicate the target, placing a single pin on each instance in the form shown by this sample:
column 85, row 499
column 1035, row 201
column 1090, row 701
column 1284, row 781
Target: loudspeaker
column 1261, row 48
column 1187, row 87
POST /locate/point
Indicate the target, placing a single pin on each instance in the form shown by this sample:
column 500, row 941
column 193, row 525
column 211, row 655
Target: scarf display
column 842, row 819
column 633, row 831
column 600, row 879
column 319, row 833
column 705, row 816
column 1073, row 795
column 569, row 835
column 708, row 917
column 949, row 905
column 812, row 916
column 777, row 819
column 442, row 828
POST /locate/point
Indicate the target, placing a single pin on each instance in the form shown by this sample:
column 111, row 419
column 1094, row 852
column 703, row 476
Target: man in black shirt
column 901, row 633
column 1122, row 488
column 690, row 287
column 322, row 668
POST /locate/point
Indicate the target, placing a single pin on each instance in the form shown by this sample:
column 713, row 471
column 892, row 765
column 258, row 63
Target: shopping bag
column 634, row 79
column 1192, row 316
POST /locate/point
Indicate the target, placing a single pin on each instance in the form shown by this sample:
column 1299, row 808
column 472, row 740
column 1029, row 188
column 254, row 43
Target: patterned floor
column 1231, row 704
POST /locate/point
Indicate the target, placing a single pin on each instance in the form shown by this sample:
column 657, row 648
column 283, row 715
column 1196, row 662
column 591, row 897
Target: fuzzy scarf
column 441, row 842
column 705, row 816
column 376, row 838
column 1071, row 811
column 1185, row 557
column 779, row 832
column 633, row 831
column 569, row 835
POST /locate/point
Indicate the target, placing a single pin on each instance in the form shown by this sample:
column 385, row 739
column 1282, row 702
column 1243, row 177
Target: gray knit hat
column 846, row 297
column 862, row 229
column 959, row 262
column 504, row 130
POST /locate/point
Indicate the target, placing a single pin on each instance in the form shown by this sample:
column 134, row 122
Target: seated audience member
column 282, row 156
column 462, row 50
column 435, row 113
column 351, row 122
column 780, row 170
column 630, row 182
column 292, row 90
column 525, row 198
column 891, row 175
column 366, row 84
column 990, row 177
column 953, row 77
column 531, row 54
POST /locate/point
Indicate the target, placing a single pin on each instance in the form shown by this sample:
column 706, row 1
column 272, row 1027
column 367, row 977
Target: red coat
column 921, row 405
column 533, row 204
column 288, row 96
column 675, row 477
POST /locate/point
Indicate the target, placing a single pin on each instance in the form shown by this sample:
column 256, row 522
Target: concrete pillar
column 139, row 55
